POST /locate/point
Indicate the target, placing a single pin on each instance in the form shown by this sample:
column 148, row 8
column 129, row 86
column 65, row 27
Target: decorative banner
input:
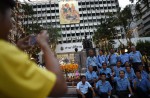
column 69, row 12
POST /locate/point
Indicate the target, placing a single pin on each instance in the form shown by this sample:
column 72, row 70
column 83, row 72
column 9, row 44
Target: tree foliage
column 54, row 35
column 107, row 29
column 143, row 46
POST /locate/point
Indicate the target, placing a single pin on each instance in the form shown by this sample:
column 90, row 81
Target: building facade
column 144, row 22
column 91, row 12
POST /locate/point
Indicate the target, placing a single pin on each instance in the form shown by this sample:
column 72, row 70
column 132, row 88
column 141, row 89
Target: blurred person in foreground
column 18, row 73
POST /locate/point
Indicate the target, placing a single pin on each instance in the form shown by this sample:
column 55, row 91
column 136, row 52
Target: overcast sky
column 122, row 3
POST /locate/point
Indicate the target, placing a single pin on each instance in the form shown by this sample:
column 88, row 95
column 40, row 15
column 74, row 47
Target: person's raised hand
column 42, row 40
column 23, row 43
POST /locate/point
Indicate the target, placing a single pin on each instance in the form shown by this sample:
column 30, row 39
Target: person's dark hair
column 81, row 77
column 138, row 71
column 6, row 4
column 90, row 50
column 103, row 74
column 121, row 71
column 128, row 66
column 101, row 50
column 118, row 61
column 104, row 63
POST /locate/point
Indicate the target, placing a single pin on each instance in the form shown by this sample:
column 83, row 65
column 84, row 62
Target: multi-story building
column 144, row 22
column 91, row 12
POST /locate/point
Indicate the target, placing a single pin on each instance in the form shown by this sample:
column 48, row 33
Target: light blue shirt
column 91, row 76
column 103, row 87
column 106, row 71
column 101, row 59
column 83, row 87
column 91, row 61
column 124, row 58
column 136, row 57
column 117, row 70
column 122, row 84
column 143, row 84
column 113, row 59
column 144, row 74
column 131, row 75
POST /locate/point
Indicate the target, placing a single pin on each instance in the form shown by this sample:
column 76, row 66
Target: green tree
column 122, row 18
column 103, row 35
column 54, row 35
column 143, row 46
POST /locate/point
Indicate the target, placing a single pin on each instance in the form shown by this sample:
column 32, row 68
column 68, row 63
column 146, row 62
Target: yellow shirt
column 20, row 77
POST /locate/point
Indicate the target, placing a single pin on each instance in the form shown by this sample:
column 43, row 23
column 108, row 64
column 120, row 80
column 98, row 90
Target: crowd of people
column 125, row 75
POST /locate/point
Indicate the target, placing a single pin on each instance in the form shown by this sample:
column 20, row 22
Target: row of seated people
column 121, row 81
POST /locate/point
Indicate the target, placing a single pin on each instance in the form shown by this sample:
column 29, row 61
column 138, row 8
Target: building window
column 109, row 7
column 52, row 5
column 68, row 35
column 82, row 34
column 64, row 35
column 39, row 6
column 34, row 6
column 77, row 34
column 60, row 42
column 91, row 3
column 87, row 3
column 100, row 2
column 56, row 5
column 104, row 2
column 48, row 5
column 43, row 6
column 73, row 34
